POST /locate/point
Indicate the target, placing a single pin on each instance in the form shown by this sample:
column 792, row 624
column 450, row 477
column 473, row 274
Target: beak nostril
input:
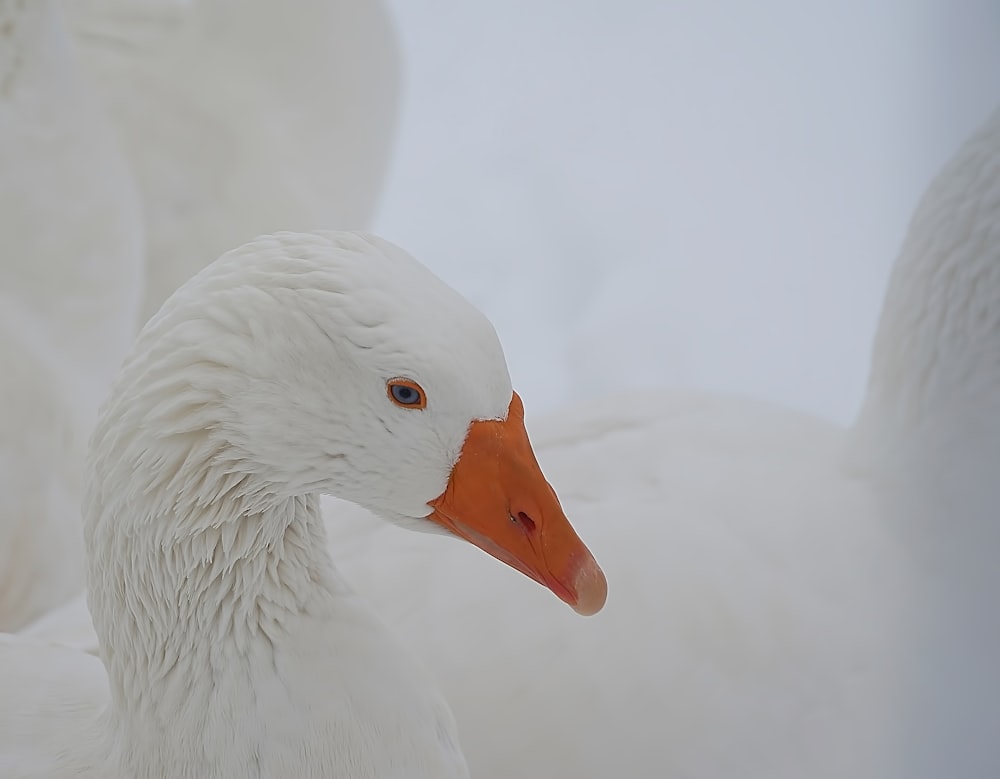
column 524, row 521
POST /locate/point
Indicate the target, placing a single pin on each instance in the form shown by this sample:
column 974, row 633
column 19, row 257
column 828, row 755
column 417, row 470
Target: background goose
column 69, row 297
column 242, row 118
column 138, row 142
column 295, row 365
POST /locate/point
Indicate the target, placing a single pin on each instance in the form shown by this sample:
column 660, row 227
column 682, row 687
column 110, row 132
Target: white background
column 680, row 193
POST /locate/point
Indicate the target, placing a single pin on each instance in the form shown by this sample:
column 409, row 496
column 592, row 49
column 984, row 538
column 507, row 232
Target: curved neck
column 238, row 651
column 232, row 646
column 204, row 581
column 197, row 630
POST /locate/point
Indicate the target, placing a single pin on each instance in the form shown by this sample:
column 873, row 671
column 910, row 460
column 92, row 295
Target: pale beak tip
column 591, row 588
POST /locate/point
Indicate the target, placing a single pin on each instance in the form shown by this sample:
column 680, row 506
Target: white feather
column 232, row 646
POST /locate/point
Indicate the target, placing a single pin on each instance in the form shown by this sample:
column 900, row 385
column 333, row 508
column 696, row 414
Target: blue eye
column 406, row 393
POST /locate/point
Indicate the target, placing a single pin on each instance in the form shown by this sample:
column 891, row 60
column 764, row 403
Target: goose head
column 330, row 363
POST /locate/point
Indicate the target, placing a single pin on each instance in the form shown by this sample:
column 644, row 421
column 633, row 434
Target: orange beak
column 498, row 499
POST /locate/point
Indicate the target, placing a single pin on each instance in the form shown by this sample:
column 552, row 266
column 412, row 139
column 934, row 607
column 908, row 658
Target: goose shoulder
column 52, row 699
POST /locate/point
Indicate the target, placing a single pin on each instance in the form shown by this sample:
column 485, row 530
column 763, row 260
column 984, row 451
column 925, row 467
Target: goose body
column 759, row 621
column 229, row 645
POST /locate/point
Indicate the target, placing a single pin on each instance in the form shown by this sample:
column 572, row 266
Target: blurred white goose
column 70, row 283
column 236, row 119
column 790, row 599
column 240, row 118
column 293, row 366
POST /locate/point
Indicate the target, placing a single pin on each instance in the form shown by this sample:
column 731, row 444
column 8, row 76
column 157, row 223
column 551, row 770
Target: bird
column 139, row 141
column 70, row 291
column 242, row 120
column 293, row 366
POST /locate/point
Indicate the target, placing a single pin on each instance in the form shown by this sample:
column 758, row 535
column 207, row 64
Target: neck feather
column 233, row 648
column 199, row 571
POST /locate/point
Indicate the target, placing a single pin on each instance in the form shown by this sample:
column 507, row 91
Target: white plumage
column 232, row 646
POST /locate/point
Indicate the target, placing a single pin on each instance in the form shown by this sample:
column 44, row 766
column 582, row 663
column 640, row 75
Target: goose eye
column 406, row 393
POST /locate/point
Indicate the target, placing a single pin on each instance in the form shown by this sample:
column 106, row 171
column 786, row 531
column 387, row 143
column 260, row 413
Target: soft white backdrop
column 680, row 193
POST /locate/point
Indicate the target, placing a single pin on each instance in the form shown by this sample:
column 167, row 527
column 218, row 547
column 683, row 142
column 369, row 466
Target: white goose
column 242, row 118
column 234, row 121
column 70, row 284
column 293, row 366
column 791, row 599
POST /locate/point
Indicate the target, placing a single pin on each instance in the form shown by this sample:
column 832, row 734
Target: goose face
column 363, row 376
